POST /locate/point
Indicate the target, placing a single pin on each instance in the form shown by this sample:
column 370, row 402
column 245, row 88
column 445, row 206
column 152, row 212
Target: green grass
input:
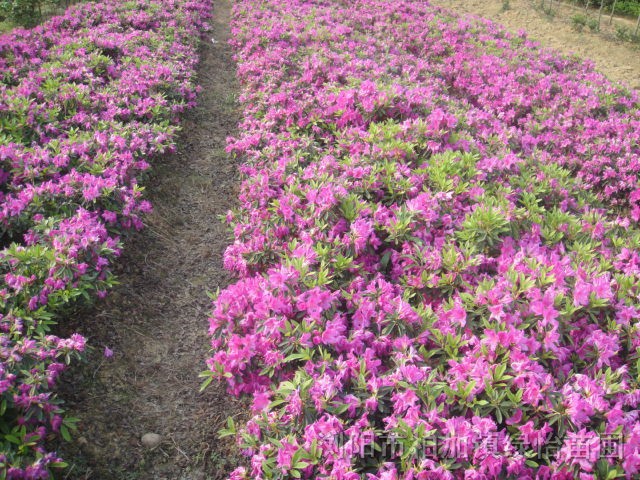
column 6, row 26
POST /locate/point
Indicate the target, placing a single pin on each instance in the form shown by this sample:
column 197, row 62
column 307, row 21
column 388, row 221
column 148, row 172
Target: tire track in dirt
column 156, row 319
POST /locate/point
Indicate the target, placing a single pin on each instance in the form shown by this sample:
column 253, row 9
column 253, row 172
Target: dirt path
column 156, row 320
column 617, row 60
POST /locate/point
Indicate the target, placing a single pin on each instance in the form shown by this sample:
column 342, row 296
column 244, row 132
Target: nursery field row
column 86, row 101
column 436, row 242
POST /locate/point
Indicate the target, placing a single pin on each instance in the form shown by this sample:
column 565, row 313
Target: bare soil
column 155, row 321
column 619, row 61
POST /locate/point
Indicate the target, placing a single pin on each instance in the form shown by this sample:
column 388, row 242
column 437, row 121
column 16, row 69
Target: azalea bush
column 86, row 100
column 437, row 251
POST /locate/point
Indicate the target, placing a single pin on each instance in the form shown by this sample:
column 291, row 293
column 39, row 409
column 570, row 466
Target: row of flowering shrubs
column 437, row 247
column 85, row 101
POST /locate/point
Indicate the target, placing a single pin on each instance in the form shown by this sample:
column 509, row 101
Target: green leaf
column 208, row 375
column 12, row 438
column 64, row 431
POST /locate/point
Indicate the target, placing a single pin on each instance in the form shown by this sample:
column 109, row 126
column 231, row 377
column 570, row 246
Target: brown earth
column 619, row 61
column 155, row 321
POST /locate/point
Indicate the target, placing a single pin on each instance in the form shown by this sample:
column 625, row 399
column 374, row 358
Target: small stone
column 82, row 442
column 151, row 440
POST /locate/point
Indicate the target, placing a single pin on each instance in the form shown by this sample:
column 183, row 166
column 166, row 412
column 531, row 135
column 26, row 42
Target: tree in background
column 26, row 13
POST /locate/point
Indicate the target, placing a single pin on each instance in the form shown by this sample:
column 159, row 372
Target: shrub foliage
column 86, row 101
column 437, row 247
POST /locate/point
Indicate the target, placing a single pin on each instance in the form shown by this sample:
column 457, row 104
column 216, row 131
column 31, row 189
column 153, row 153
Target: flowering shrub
column 85, row 101
column 437, row 247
